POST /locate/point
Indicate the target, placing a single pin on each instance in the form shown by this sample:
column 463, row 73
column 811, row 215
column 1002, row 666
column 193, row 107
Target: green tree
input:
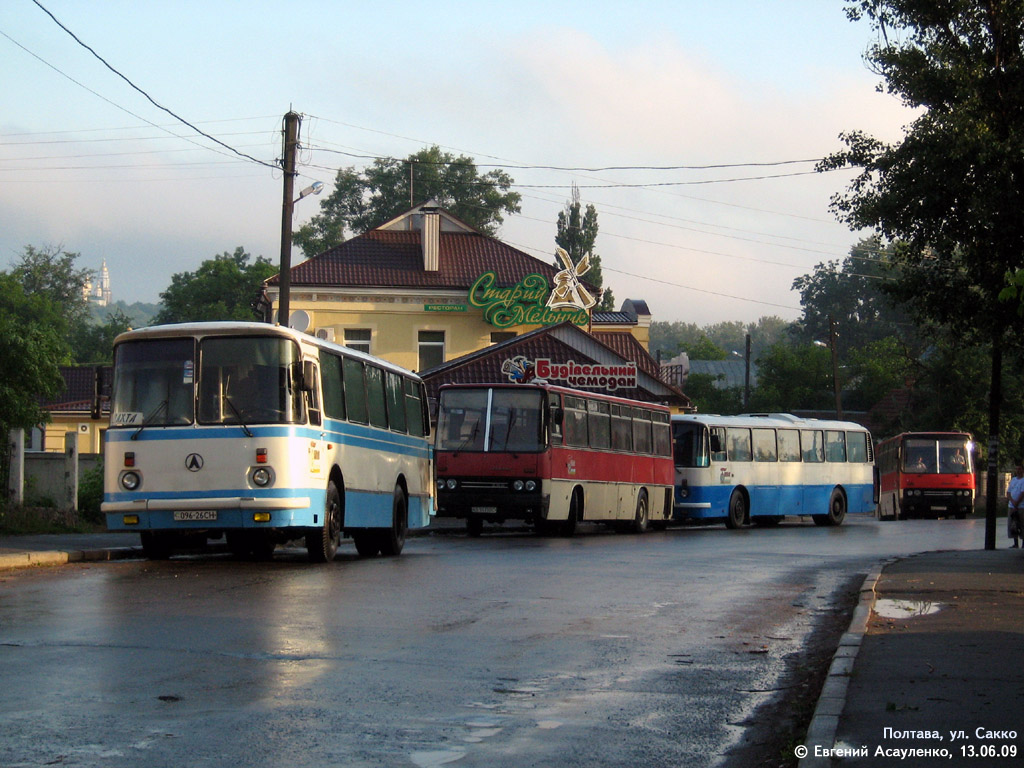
column 93, row 343
column 33, row 346
column 708, row 398
column 223, row 288
column 953, row 188
column 855, row 296
column 50, row 271
column 362, row 200
column 791, row 378
column 577, row 234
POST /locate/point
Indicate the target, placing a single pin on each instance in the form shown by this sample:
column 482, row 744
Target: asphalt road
column 508, row 650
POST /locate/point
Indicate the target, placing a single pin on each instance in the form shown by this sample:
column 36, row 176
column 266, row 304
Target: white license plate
column 195, row 515
column 484, row 510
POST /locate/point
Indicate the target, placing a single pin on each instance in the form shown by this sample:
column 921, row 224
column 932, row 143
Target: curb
column 58, row 557
column 832, row 699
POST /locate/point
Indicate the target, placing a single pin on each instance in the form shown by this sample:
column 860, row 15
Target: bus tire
column 156, row 545
column 836, row 510
column 575, row 513
column 392, row 540
column 322, row 543
column 367, row 543
column 641, row 520
column 737, row 514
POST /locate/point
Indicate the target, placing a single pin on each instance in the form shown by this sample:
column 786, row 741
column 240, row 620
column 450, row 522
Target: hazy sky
column 86, row 162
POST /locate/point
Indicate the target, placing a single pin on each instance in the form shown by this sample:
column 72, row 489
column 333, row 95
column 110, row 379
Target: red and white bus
column 925, row 474
column 551, row 456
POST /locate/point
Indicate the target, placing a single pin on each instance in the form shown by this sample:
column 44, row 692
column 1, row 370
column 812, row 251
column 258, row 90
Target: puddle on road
column 437, row 758
column 905, row 609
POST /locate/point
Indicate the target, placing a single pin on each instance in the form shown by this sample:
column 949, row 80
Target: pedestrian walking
column 1015, row 504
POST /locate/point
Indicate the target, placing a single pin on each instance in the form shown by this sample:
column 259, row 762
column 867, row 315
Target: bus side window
column 375, row 398
column 857, row 445
column 812, row 446
column 555, row 417
column 764, row 445
column 739, row 444
column 395, row 401
column 835, row 446
column 718, row 444
column 414, row 403
column 355, row 391
column 332, row 379
column 311, row 386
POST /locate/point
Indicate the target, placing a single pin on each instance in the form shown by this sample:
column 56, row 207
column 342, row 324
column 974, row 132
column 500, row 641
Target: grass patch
column 29, row 521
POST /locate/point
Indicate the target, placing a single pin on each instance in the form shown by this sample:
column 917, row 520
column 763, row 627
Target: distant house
column 83, row 408
column 728, row 374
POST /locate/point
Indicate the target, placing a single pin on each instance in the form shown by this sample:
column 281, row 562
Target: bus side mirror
column 308, row 376
column 716, row 444
column 557, row 416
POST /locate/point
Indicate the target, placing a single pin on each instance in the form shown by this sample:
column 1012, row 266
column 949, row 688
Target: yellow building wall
column 89, row 432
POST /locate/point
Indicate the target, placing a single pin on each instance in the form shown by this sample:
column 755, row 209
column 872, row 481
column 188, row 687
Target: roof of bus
column 249, row 329
column 556, row 388
column 938, row 435
column 776, row 420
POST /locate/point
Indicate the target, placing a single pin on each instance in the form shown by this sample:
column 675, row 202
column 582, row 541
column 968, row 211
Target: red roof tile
column 394, row 259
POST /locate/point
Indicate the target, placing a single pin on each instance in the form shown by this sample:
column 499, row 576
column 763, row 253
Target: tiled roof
column 394, row 259
column 78, row 389
column 485, row 365
column 627, row 347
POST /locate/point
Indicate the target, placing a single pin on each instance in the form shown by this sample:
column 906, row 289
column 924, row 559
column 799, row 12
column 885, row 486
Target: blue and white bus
column 758, row 468
column 262, row 434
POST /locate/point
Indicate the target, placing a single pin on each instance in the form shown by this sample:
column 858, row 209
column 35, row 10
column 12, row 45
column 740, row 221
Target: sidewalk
column 930, row 672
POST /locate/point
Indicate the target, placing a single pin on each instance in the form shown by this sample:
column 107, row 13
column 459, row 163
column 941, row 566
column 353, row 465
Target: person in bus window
column 1015, row 504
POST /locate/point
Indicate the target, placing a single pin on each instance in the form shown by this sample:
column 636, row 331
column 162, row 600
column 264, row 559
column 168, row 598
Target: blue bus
column 260, row 434
column 758, row 468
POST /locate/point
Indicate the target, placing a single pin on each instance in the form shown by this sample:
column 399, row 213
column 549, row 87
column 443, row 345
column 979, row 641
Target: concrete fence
column 39, row 478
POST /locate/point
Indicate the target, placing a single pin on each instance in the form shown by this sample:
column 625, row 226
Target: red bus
column 926, row 474
column 551, row 456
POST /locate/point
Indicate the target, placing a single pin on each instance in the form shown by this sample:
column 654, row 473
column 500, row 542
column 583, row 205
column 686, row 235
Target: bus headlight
column 451, row 483
column 130, row 481
column 261, row 476
column 531, row 485
column 440, row 485
column 517, row 485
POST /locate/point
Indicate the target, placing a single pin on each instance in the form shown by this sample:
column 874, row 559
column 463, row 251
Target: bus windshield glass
column 936, row 455
column 249, row 380
column 492, row 420
column 153, row 383
column 690, row 444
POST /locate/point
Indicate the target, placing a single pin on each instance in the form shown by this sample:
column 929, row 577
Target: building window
column 431, row 349
column 358, row 338
column 499, row 336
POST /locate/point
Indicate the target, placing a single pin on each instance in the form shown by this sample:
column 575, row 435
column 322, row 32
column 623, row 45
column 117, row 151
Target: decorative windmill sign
column 532, row 301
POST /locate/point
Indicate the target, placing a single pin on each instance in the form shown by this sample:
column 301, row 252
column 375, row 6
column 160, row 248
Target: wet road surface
column 508, row 650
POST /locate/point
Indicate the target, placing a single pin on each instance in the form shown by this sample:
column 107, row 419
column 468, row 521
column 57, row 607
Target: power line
column 150, row 98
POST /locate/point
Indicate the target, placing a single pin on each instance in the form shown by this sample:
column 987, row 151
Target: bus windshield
column 512, row 422
column 936, row 455
column 249, row 381
column 153, row 383
column 690, row 444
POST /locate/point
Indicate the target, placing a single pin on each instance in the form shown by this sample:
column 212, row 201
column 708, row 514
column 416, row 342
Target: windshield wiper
column 149, row 419
column 470, row 438
column 238, row 415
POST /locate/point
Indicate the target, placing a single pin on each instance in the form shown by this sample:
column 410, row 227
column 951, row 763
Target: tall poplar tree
column 577, row 234
column 953, row 189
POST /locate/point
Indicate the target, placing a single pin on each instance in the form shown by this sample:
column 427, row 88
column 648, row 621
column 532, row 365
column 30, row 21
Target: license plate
column 484, row 510
column 195, row 515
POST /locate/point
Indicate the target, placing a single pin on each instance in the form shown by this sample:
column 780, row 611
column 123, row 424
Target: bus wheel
column 836, row 510
column 367, row 544
column 575, row 508
column 640, row 520
column 392, row 540
column 155, row 545
column 737, row 510
column 322, row 543
column 474, row 526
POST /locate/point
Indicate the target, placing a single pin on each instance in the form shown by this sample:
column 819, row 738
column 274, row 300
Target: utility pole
column 746, row 375
column 291, row 143
column 835, row 366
